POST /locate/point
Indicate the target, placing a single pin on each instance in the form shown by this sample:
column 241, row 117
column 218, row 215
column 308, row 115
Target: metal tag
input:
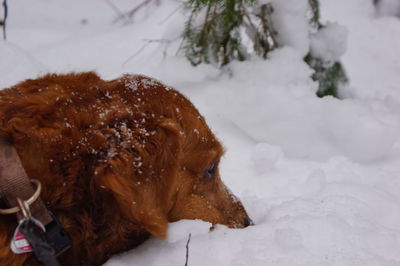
column 19, row 244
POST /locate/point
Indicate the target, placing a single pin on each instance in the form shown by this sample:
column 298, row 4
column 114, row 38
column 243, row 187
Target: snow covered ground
column 319, row 177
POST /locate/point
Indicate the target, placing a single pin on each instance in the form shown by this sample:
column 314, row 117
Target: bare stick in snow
column 121, row 15
column 166, row 42
column 172, row 13
column 187, row 250
column 3, row 23
column 132, row 12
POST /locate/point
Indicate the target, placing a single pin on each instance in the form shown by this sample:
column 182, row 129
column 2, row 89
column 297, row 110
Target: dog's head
column 166, row 163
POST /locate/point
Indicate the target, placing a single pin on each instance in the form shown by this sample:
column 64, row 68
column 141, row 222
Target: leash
column 38, row 229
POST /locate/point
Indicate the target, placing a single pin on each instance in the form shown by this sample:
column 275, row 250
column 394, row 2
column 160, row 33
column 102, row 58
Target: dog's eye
column 210, row 172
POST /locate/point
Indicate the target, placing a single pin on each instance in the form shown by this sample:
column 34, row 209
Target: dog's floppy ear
column 145, row 194
column 170, row 137
column 135, row 199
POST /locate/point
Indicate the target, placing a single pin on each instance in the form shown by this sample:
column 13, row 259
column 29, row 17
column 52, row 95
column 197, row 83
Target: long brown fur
column 117, row 159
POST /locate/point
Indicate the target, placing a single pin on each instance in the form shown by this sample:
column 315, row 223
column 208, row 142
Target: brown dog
column 117, row 159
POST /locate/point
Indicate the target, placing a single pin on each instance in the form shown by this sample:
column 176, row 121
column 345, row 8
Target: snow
column 265, row 156
column 371, row 59
column 24, row 65
column 329, row 43
column 288, row 238
column 388, row 8
column 319, row 177
column 288, row 17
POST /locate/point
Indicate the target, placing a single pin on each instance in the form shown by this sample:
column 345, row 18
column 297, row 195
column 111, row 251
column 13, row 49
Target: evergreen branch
column 218, row 39
column 205, row 30
column 315, row 16
column 270, row 42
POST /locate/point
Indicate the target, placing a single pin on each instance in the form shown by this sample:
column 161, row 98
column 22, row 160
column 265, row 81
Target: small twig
column 120, row 14
column 135, row 54
column 3, row 23
column 172, row 13
column 130, row 14
column 148, row 42
column 187, row 250
column 133, row 11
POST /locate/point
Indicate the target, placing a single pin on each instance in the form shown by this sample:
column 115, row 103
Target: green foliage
column 217, row 39
column 329, row 76
column 315, row 14
column 217, row 29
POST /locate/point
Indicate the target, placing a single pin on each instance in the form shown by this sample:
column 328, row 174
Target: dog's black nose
column 247, row 222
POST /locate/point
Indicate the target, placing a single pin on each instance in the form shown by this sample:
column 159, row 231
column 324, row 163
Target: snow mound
column 302, row 124
column 372, row 57
column 315, row 182
column 265, row 157
column 329, row 43
column 288, row 238
column 289, row 17
column 180, row 230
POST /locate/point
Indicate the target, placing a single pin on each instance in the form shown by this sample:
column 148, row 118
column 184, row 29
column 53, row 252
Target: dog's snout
column 247, row 222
